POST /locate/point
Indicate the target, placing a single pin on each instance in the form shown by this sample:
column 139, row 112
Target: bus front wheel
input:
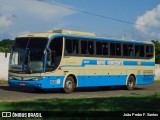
column 131, row 82
column 69, row 85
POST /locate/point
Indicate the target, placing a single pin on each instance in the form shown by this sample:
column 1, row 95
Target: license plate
column 55, row 81
column 22, row 84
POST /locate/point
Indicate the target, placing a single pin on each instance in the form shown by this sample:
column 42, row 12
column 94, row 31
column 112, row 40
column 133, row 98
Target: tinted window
column 90, row 47
column 141, row 50
column 68, row 46
column 105, row 48
column 118, row 49
column 98, row 48
column 137, row 50
column 75, row 47
column 125, row 50
column 112, row 49
column 149, row 51
column 71, row 46
column 130, row 49
column 84, row 49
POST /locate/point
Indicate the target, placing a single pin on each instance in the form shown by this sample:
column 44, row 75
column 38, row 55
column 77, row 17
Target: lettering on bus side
column 101, row 62
column 86, row 62
column 120, row 63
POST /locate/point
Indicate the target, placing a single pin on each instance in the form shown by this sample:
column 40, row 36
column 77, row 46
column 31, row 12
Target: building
column 4, row 62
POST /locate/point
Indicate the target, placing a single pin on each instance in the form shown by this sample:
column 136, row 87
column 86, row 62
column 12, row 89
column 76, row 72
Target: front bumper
column 45, row 83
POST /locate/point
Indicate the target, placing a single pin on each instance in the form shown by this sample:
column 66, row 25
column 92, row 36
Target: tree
column 4, row 43
column 2, row 49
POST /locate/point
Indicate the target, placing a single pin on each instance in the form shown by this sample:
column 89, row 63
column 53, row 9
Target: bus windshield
column 28, row 54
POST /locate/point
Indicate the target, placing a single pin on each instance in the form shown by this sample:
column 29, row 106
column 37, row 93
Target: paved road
column 12, row 94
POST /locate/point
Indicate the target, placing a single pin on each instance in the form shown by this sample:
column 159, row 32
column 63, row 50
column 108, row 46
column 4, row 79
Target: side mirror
column 49, row 53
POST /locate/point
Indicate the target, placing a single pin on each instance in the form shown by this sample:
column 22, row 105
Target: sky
column 142, row 17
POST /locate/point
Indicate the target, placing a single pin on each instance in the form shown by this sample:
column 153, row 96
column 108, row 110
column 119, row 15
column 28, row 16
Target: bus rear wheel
column 131, row 82
column 69, row 85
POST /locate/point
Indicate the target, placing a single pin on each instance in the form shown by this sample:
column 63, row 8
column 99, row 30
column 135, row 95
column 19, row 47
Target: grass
column 157, row 82
column 137, row 103
column 85, row 108
column 3, row 82
column 92, row 105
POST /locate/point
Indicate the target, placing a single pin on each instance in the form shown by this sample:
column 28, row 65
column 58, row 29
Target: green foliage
column 157, row 51
column 2, row 49
column 150, row 102
column 3, row 82
column 4, row 45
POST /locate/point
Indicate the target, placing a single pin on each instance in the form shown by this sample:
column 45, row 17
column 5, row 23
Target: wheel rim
column 69, row 85
column 130, row 83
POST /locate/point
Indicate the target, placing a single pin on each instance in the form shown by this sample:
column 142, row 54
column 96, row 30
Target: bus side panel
column 144, row 79
column 80, row 81
column 95, row 81
column 53, row 82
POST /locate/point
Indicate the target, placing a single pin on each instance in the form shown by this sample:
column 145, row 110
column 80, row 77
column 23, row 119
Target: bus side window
column 105, row 48
column 141, row 50
column 130, row 48
column 68, row 46
column 54, row 54
column 149, row 51
column 112, row 49
column 75, row 47
column 84, row 47
column 118, row 49
column 98, row 48
column 125, row 50
column 136, row 50
column 91, row 47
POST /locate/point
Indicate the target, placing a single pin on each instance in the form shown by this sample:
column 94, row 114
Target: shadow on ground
column 90, row 89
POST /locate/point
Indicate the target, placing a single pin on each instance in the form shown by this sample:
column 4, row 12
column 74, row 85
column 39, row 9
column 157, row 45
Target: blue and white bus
column 69, row 59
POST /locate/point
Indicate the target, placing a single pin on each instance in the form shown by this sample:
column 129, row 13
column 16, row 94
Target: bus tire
column 131, row 82
column 69, row 85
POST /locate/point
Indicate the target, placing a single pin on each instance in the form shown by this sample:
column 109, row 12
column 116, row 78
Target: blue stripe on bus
column 136, row 63
column 121, row 63
column 111, row 80
column 101, row 80
column 83, row 81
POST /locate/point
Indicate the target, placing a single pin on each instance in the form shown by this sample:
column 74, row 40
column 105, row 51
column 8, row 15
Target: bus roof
column 52, row 32
column 70, row 33
column 73, row 32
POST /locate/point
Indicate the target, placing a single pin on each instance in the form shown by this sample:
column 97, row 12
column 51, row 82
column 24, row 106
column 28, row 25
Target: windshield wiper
column 26, row 62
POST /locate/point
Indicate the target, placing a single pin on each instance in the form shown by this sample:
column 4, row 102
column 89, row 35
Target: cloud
column 33, row 8
column 42, row 10
column 4, row 21
column 29, row 15
column 149, row 22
